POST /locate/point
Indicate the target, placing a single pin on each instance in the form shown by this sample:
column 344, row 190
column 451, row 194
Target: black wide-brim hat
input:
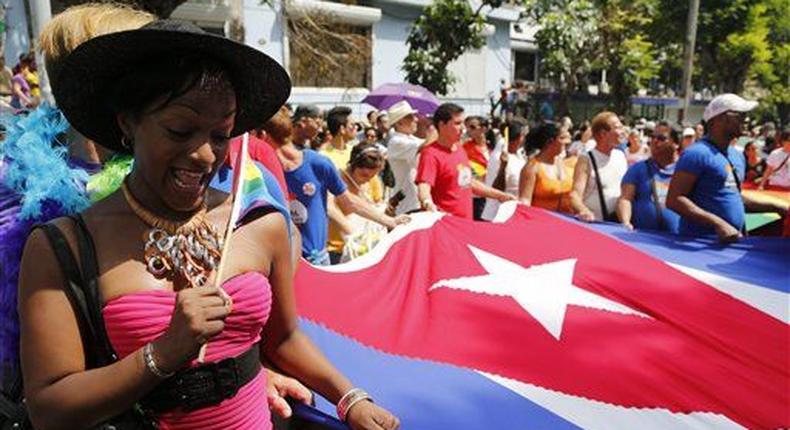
column 261, row 85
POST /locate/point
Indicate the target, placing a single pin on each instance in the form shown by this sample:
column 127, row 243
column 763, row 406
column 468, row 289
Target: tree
column 625, row 51
column 567, row 38
column 445, row 30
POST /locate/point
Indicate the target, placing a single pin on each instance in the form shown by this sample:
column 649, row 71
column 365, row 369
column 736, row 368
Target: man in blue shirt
column 705, row 190
column 642, row 202
column 310, row 176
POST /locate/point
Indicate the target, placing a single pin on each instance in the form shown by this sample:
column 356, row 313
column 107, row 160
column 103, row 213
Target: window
column 327, row 53
column 526, row 66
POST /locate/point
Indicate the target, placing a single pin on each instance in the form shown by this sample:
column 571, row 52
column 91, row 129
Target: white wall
column 264, row 28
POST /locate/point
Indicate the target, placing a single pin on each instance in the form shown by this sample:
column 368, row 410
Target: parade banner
column 537, row 321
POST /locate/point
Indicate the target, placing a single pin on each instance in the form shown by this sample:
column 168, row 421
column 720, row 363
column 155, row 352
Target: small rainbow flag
column 251, row 184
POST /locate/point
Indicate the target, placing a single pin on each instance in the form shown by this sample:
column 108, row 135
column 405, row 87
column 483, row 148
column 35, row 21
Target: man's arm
column 677, row 199
column 424, row 197
column 348, row 202
column 482, row 190
column 624, row 209
column 580, row 176
column 769, row 170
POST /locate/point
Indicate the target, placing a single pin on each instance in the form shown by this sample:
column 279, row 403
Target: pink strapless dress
column 135, row 319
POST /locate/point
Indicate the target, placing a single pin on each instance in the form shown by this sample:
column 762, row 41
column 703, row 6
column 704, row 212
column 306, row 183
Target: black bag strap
column 90, row 275
column 604, row 210
column 72, row 283
column 737, row 181
column 783, row 163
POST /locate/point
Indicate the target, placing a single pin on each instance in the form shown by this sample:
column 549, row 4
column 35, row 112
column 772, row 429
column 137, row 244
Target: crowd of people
column 649, row 176
column 19, row 86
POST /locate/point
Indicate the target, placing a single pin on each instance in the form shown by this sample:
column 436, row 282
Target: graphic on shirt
column 298, row 211
column 662, row 189
column 464, row 176
column 308, row 189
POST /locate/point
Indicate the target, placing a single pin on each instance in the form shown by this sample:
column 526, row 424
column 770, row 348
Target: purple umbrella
column 388, row 94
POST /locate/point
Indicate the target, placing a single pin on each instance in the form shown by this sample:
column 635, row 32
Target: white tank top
column 612, row 168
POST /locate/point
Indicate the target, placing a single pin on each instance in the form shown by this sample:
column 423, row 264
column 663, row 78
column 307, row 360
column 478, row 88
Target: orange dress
column 551, row 193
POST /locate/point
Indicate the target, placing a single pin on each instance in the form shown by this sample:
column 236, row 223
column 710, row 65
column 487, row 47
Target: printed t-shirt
column 779, row 159
column 402, row 154
column 644, row 215
column 308, row 185
column 450, row 178
column 715, row 190
column 261, row 151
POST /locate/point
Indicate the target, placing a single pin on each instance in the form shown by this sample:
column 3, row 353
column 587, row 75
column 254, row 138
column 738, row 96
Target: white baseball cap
column 727, row 103
column 400, row 110
column 688, row 131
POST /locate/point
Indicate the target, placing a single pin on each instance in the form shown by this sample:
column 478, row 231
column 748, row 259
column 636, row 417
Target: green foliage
column 567, row 40
column 625, row 51
column 446, row 29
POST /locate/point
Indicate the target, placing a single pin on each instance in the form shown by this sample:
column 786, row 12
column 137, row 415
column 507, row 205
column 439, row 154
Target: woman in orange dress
column 546, row 181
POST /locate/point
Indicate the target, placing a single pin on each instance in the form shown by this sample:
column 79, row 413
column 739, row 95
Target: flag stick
column 238, row 180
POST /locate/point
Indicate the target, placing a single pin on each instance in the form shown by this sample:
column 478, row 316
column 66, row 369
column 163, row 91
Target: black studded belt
column 205, row 385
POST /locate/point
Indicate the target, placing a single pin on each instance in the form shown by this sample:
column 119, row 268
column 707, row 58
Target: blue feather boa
column 36, row 185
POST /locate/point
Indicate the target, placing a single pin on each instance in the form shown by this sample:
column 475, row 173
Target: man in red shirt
column 444, row 177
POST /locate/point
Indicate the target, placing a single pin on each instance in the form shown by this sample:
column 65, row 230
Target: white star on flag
column 544, row 290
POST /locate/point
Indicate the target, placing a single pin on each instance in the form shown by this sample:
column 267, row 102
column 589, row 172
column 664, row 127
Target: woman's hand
column 198, row 316
column 278, row 387
column 366, row 415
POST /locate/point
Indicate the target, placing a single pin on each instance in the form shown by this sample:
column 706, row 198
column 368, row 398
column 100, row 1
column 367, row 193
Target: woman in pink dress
column 173, row 96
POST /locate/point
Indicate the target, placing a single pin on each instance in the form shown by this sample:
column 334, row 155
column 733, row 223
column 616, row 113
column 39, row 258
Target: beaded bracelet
column 150, row 363
column 351, row 398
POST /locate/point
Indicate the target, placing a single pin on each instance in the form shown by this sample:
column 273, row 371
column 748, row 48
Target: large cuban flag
column 536, row 321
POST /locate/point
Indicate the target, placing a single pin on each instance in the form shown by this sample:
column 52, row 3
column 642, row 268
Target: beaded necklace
column 183, row 252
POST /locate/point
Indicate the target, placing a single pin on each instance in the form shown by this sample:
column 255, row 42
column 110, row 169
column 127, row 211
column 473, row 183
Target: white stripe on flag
column 772, row 302
column 595, row 415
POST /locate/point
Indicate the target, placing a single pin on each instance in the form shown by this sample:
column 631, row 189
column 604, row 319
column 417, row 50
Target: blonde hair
column 77, row 24
column 600, row 122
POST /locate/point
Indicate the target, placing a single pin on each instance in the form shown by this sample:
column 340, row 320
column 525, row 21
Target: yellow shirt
column 339, row 157
column 373, row 190
column 32, row 80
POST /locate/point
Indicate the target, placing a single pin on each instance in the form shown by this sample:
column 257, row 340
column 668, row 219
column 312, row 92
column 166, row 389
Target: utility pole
column 688, row 58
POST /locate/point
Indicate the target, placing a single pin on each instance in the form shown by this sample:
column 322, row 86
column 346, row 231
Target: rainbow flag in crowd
column 757, row 220
column 537, row 321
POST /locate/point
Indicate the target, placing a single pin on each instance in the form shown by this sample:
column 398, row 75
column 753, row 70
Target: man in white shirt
column 403, row 148
column 777, row 169
column 603, row 167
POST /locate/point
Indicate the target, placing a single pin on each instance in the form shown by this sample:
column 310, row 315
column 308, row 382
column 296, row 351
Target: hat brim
column 261, row 85
column 395, row 118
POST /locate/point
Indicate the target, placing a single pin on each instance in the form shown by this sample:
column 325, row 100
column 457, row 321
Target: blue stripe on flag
column 760, row 261
column 427, row 395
